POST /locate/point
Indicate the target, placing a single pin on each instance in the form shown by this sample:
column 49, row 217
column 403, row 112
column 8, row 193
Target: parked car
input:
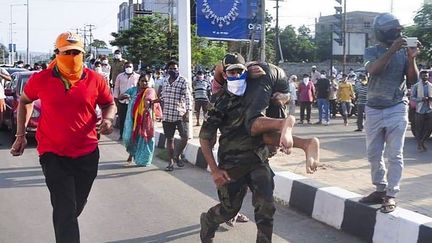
column 12, row 70
column 13, row 91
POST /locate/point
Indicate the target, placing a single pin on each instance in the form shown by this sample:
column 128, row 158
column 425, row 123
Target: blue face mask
column 237, row 85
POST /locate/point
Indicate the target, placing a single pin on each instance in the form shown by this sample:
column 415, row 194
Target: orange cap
column 69, row 41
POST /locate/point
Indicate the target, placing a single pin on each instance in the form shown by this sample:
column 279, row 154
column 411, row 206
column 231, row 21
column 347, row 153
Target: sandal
column 375, row 197
column 388, row 205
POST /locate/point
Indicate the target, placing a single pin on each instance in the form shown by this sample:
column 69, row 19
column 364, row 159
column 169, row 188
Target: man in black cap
column 243, row 153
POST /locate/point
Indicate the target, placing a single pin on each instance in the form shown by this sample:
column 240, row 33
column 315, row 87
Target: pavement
column 344, row 165
column 135, row 204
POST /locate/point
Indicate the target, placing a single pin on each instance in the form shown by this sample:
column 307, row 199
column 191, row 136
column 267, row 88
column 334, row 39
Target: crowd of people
column 251, row 129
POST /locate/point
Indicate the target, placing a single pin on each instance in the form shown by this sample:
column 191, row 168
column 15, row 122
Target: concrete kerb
column 334, row 206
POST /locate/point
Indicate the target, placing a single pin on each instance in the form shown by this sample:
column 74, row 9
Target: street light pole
column 11, row 50
column 11, row 33
column 27, row 51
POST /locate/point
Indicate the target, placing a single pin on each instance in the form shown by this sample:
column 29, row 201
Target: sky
column 49, row 18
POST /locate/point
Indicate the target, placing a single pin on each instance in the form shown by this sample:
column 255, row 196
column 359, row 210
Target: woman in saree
column 138, row 134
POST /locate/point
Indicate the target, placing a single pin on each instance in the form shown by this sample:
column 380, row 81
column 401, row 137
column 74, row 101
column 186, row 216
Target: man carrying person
column 67, row 133
column 388, row 63
column 243, row 155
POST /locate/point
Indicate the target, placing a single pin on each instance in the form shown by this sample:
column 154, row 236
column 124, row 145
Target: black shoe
column 206, row 233
column 318, row 123
column 169, row 168
column 358, row 130
column 375, row 197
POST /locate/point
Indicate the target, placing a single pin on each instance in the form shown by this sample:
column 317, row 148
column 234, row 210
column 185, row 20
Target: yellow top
column 345, row 92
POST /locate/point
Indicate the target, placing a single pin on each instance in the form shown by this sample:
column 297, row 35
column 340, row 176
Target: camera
column 411, row 41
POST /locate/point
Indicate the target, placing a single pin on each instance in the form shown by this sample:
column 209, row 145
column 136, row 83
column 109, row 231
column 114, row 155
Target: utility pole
column 344, row 22
column 278, row 47
column 90, row 27
column 28, row 38
column 263, row 36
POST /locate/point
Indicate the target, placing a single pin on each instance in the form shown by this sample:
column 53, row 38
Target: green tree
column 148, row 40
column 206, row 52
column 98, row 44
column 423, row 30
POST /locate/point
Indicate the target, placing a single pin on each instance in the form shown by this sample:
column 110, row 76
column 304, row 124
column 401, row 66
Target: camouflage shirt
column 236, row 146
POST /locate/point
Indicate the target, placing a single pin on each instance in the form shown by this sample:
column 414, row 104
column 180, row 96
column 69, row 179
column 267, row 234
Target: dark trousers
column 360, row 115
column 305, row 105
column 69, row 181
column 333, row 107
column 423, row 126
column 260, row 182
column 121, row 111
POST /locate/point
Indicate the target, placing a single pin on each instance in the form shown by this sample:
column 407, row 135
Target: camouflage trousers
column 260, row 182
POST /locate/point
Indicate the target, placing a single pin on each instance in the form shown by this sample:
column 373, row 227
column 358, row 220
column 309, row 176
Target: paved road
column 134, row 205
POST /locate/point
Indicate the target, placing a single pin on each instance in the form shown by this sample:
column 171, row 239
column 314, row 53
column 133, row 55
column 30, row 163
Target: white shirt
column 293, row 90
column 124, row 82
column 2, row 94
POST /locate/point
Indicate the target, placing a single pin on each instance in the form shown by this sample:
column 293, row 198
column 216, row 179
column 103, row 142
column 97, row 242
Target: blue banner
column 228, row 19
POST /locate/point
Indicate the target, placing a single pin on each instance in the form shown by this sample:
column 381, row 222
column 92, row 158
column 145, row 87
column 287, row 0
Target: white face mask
column 237, row 85
column 117, row 56
column 129, row 70
column 323, row 76
column 305, row 81
column 105, row 61
column 98, row 69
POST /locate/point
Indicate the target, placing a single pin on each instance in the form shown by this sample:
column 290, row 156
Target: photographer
column 388, row 63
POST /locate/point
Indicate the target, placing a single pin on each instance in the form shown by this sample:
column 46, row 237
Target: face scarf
column 305, row 81
column 237, row 85
column 70, row 67
column 173, row 74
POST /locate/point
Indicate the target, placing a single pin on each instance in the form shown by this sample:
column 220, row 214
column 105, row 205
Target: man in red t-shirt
column 66, row 134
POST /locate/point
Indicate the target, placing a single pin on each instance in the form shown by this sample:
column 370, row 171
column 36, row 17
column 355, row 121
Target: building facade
column 359, row 32
column 126, row 14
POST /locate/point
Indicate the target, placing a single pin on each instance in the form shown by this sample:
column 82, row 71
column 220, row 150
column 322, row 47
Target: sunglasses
column 71, row 52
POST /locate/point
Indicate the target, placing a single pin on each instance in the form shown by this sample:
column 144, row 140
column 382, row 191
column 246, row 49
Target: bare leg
column 170, row 147
column 197, row 117
column 182, row 145
column 310, row 146
column 264, row 125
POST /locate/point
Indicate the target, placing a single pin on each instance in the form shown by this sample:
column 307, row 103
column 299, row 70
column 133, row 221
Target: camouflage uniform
column 244, row 157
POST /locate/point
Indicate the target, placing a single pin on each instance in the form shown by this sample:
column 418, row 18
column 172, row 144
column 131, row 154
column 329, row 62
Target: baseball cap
column 235, row 66
column 233, row 58
column 69, row 41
